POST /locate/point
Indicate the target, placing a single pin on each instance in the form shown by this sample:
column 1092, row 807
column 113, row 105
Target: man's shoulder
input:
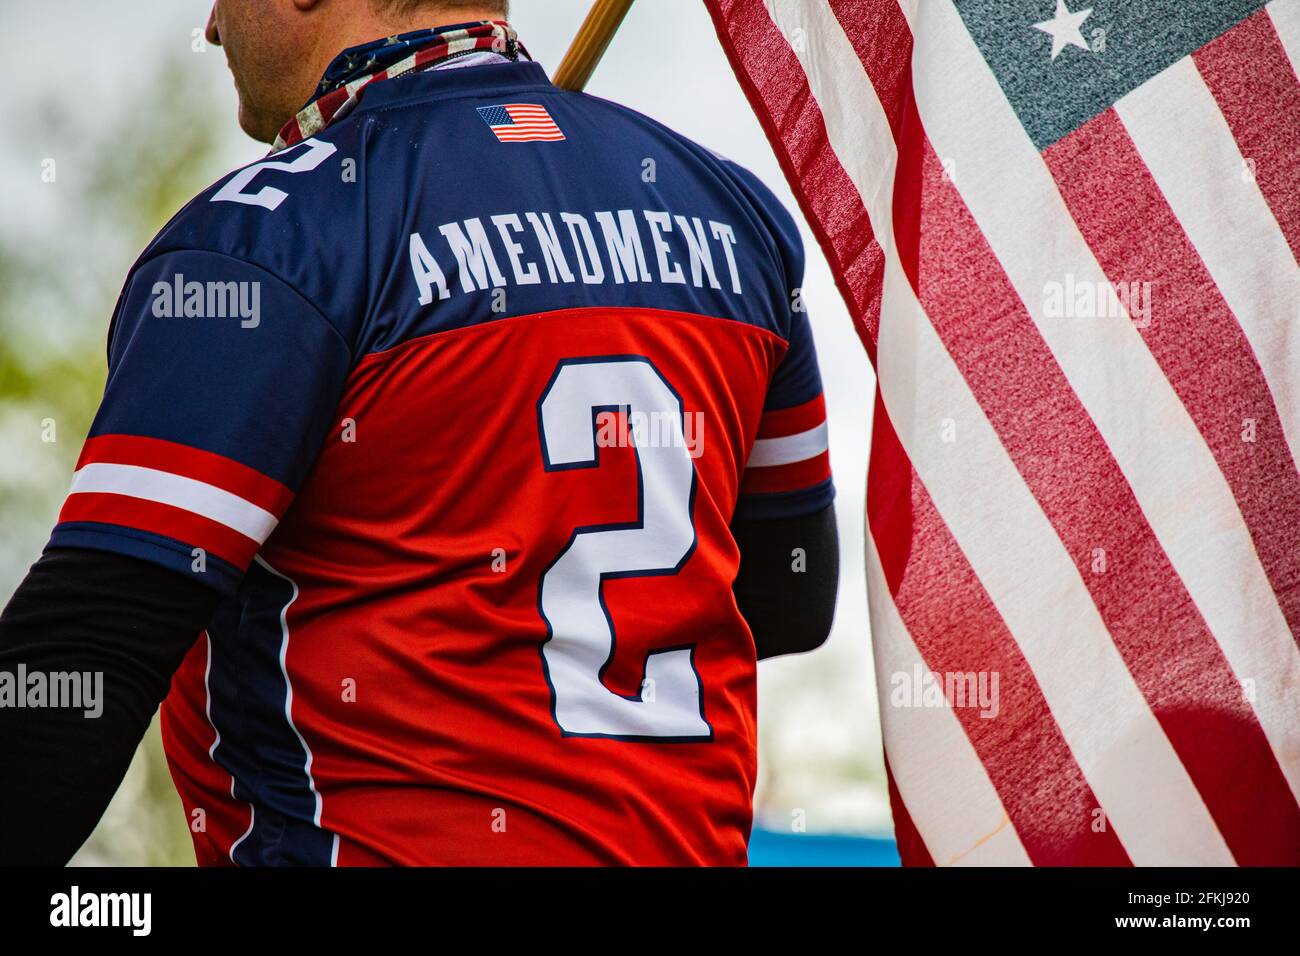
column 297, row 216
column 732, row 173
column 720, row 171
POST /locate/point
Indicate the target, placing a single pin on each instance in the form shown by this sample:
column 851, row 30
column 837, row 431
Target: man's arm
column 789, row 575
column 85, row 612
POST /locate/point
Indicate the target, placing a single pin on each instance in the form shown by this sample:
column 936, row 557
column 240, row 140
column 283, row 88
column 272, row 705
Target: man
column 446, row 430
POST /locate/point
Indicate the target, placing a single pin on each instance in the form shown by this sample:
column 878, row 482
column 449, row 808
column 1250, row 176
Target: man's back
column 506, row 350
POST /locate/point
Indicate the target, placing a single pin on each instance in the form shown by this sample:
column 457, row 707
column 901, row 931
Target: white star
column 1064, row 28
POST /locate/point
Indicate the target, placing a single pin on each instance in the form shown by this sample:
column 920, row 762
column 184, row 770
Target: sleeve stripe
column 188, row 494
column 770, row 452
column 792, row 477
column 165, row 521
column 791, row 452
column 185, row 461
column 791, row 421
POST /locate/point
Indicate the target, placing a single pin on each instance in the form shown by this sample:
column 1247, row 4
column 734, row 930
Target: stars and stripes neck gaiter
column 356, row 68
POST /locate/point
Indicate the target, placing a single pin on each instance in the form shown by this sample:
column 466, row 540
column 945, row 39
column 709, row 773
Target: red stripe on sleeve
column 217, row 470
column 792, row 477
column 793, row 420
column 186, row 527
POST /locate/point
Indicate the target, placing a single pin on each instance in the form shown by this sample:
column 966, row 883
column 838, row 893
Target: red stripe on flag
column 1251, row 78
column 770, row 75
column 186, row 461
column 793, row 420
column 1209, row 362
column 1166, row 644
column 192, row 530
column 911, row 848
column 957, row 629
column 882, row 39
column 531, row 123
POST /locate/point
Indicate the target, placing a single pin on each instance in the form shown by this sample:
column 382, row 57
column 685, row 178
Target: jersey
column 454, row 404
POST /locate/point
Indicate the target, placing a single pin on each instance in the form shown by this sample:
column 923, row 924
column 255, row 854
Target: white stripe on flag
column 1285, row 15
column 860, row 134
column 1245, row 252
column 788, row 449
column 463, row 44
column 941, row 779
column 403, row 66
column 1163, row 456
column 188, row 494
column 1227, row 219
column 1036, row 588
column 985, row 503
column 311, row 120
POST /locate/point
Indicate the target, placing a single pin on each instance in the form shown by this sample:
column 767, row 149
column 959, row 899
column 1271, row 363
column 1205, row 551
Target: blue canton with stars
column 495, row 116
column 1061, row 62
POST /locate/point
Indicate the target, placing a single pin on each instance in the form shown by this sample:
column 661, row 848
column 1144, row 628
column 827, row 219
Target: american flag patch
column 520, row 123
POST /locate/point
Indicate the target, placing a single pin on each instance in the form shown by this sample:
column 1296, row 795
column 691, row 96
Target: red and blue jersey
column 456, row 418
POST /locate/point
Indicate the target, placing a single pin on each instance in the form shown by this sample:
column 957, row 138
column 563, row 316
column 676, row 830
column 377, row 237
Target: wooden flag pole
column 591, row 43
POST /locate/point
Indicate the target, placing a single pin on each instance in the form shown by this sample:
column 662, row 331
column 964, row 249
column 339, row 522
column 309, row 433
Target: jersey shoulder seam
column 157, row 254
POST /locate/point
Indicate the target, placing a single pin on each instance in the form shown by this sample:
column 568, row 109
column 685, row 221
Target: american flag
column 1067, row 233
column 520, row 123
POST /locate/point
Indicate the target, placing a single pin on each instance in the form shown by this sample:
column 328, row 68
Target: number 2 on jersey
column 581, row 638
column 314, row 152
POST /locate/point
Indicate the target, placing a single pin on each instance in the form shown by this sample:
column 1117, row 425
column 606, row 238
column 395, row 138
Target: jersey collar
column 356, row 69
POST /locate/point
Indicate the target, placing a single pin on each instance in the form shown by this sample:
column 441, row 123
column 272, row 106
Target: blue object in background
column 771, row 848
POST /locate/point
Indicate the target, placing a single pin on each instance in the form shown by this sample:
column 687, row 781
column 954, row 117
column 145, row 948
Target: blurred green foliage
column 117, row 181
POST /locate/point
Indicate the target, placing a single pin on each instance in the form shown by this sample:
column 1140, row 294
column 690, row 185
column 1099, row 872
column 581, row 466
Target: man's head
column 278, row 49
